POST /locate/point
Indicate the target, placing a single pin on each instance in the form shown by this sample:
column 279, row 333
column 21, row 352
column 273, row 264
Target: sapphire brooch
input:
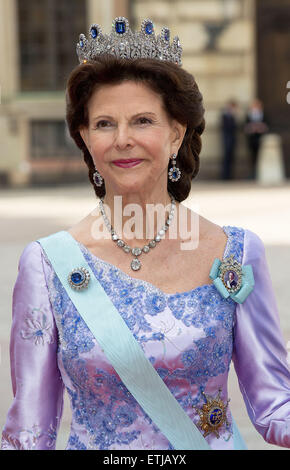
column 79, row 278
column 212, row 415
column 232, row 279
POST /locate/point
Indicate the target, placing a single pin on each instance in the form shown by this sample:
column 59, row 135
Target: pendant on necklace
column 135, row 264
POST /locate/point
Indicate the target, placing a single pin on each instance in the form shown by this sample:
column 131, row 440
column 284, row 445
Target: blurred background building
column 236, row 50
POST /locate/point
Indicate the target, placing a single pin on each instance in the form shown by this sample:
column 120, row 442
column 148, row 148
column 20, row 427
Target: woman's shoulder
column 33, row 265
column 31, row 253
column 236, row 231
column 245, row 235
column 213, row 231
column 240, row 240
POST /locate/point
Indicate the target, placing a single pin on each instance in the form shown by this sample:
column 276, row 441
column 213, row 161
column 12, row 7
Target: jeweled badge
column 213, row 414
column 232, row 279
column 231, row 274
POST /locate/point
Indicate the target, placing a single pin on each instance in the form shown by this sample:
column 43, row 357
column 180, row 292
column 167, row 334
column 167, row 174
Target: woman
column 130, row 117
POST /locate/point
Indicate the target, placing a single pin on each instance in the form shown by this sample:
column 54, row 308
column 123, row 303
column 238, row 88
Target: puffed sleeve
column 34, row 416
column 259, row 355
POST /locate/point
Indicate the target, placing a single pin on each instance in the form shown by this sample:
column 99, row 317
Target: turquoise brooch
column 213, row 414
column 79, row 278
column 232, row 279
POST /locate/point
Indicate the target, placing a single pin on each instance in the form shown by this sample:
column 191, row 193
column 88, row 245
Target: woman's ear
column 179, row 131
column 85, row 135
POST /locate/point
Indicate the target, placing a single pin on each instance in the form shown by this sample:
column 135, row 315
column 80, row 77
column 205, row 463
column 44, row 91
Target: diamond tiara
column 125, row 44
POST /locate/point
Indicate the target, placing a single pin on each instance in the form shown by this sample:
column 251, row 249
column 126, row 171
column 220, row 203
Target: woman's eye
column 144, row 120
column 102, row 124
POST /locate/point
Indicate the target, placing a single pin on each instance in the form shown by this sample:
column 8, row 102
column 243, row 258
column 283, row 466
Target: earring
column 174, row 173
column 98, row 180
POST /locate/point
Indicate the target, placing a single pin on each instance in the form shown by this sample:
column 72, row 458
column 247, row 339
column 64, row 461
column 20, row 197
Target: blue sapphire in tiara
column 94, row 32
column 79, row 278
column 149, row 28
column 82, row 40
column 166, row 34
column 120, row 27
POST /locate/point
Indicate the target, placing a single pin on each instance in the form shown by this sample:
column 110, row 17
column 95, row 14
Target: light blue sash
column 120, row 346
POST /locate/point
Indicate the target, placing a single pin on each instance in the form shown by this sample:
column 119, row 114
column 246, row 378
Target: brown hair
column 178, row 89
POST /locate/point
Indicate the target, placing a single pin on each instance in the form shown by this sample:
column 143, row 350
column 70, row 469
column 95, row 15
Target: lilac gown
column 189, row 337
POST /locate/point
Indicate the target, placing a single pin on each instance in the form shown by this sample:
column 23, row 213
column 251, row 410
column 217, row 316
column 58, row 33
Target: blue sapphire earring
column 98, row 180
column 174, row 173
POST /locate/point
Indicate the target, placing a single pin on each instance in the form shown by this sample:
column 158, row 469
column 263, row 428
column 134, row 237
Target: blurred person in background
column 255, row 127
column 229, row 138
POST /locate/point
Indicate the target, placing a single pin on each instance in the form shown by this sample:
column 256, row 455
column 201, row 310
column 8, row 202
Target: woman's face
column 128, row 121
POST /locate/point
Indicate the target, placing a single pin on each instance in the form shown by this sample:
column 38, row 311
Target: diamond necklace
column 136, row 263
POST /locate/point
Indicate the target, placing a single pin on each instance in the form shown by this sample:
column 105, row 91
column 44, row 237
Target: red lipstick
column 127, row 163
